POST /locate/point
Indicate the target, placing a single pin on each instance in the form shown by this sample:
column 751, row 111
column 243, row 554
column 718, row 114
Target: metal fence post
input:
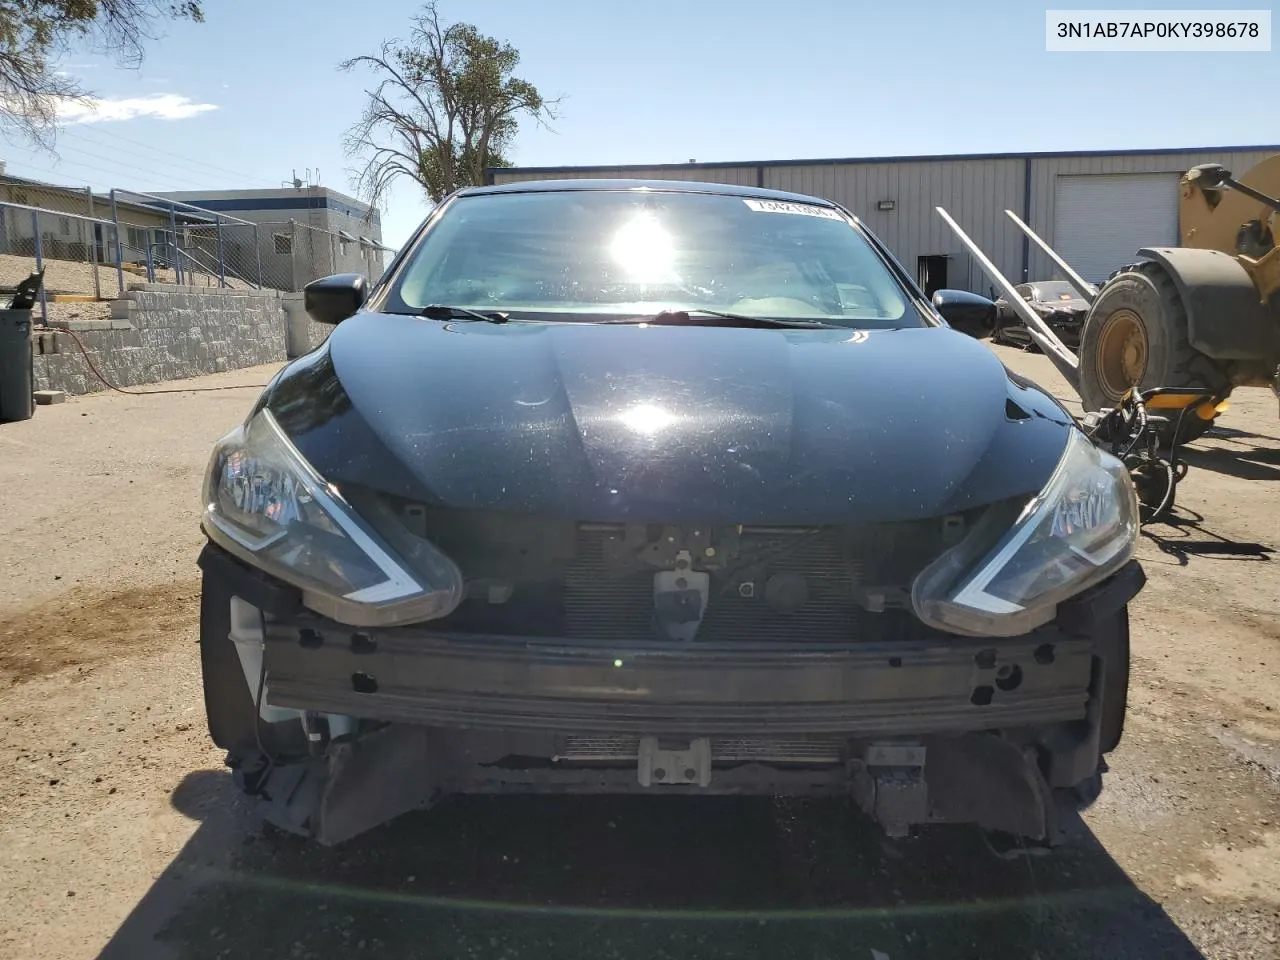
column 293, row 255
column 257, row 249
column 93, row 246
column 119, row 251
column 222, row 263
column 151, row 266
column 177, row 260
column 35, row 233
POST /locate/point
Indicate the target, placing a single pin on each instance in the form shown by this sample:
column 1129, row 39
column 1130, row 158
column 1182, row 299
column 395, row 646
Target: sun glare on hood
column 647, row 419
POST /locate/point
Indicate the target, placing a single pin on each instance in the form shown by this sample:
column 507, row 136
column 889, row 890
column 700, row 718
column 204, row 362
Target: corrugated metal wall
column 975, row 191
column 1046, row 170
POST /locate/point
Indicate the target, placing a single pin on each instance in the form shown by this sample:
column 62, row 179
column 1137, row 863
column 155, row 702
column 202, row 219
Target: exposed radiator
column 597, row 592
column 599, row 603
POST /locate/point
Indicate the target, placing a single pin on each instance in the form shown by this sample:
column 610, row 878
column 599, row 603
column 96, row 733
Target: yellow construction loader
column 1181, row 326
column 1204, row 315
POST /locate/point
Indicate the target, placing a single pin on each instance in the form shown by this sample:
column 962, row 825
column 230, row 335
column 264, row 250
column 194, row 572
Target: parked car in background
column 668, row 488
column 1056, row 302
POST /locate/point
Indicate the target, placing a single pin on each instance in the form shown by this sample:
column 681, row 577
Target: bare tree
column 445, row 105
column 34, row 33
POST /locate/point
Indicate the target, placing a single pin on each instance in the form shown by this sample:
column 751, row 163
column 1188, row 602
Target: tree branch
column 33, row 33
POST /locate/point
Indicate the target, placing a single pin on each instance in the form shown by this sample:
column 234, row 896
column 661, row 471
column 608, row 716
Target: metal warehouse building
column 1096, row 208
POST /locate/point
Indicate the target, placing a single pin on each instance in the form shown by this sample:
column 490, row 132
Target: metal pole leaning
column 1054, row 349
column 1082, row 286
column 119, row 251
column 35, row 233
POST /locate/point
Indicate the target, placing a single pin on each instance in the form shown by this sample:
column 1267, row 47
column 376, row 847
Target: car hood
column 662, row 423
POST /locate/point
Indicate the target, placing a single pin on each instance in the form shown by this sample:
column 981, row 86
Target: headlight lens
column 264, row 503
column 1079, row 530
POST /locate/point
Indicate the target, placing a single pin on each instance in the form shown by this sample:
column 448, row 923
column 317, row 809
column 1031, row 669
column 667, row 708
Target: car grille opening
column 596, row 582
column 610, row 607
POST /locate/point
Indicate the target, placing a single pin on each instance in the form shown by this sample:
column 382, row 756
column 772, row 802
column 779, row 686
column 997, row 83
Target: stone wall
column 159, row 332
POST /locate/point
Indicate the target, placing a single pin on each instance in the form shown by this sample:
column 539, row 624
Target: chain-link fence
column 294, row 254
column 160, row 240
column 76, row 253
column 174, row 242
column 221, row 254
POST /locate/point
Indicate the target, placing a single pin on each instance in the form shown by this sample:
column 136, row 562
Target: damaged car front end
column 809, row 542
column 1056, row 302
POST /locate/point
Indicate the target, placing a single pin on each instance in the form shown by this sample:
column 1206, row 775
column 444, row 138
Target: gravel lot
column 121, row 837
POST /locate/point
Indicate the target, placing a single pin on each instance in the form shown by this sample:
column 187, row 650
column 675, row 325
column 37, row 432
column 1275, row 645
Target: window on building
column 284, row 244
column 64, row 225
column 342, row 246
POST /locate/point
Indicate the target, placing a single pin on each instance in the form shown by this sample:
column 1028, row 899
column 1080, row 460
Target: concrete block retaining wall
column 159, row 332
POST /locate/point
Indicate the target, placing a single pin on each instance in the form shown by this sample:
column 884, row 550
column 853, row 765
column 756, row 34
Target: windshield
column 592, row 254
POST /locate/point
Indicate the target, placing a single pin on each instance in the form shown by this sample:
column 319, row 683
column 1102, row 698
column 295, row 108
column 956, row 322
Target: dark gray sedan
column 618, row 486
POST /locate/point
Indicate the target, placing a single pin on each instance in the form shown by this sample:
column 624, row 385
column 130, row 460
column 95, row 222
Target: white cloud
column 161, row 106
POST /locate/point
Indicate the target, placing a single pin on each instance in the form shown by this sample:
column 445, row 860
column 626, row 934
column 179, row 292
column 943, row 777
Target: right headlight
column 1078, row 530
column 265, row 504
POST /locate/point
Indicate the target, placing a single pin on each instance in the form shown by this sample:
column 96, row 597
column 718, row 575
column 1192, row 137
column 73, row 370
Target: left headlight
column 264, row 503
column 1078, row 530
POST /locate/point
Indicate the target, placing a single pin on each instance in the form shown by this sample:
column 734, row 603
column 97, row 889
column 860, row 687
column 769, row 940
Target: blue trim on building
column 231, row 204
column 924, row 158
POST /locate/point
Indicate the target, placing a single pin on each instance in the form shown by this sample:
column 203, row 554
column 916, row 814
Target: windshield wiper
column 674, row 317
column 441, row 311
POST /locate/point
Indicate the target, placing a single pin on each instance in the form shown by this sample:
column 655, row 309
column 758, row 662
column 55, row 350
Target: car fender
column 1226, row 320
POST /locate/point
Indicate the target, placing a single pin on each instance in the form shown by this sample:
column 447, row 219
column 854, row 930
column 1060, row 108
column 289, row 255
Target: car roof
column 666, row 186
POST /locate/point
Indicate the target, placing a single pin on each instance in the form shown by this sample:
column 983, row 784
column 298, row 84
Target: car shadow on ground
column 621, row 877
column 1182, row 535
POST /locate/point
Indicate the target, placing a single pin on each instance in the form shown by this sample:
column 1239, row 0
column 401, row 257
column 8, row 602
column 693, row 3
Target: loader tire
column 1136, row 333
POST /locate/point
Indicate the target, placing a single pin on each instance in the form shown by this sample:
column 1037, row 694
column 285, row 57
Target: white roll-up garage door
column 1102, row 220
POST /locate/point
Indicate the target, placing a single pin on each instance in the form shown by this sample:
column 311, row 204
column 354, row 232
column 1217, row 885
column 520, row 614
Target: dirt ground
column 63, row 276
column 121, row 837
column 75, row 276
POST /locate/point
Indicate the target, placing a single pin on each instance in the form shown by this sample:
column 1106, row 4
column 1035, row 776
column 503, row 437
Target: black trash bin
column 17, row 366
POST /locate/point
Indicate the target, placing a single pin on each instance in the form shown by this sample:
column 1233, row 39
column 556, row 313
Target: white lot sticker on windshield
column 786, row 206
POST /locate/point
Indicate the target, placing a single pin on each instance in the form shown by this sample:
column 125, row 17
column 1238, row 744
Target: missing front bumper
column 977, row 778
column 1004, row 723
column 422, row 678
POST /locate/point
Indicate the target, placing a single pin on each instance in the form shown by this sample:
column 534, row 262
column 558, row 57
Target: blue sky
column 257, row 95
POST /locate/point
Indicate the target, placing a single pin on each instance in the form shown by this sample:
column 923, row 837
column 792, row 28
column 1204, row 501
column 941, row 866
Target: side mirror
column 332, row 299
column 967, row 312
